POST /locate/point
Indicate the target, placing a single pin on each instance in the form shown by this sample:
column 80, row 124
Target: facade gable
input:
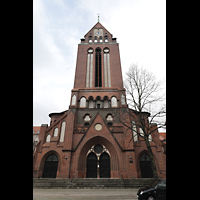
column 98, row 30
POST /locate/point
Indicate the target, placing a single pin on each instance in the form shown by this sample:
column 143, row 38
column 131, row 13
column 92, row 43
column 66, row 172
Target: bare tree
column 146, row 111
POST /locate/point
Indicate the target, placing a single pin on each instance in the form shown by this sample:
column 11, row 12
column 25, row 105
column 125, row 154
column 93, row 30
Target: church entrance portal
column 98, row 162
column 50, row 167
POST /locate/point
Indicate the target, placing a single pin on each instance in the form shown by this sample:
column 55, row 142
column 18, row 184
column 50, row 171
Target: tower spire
column 98, row 16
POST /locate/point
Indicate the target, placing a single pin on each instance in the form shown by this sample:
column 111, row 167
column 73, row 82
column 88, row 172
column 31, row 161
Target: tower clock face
column 98, row 33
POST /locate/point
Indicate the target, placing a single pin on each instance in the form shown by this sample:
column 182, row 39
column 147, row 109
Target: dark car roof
column 152, row 185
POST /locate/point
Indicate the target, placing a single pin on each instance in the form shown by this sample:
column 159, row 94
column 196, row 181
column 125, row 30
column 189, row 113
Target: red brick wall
column 115, row 65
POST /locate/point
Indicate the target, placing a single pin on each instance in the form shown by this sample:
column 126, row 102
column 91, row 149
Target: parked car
column 156, row 191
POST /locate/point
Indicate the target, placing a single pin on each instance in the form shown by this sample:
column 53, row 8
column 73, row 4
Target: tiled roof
column 36, row 129
column 163, row 134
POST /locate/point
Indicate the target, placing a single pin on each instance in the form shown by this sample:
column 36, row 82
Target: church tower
column 98, row 79
column 97, row 96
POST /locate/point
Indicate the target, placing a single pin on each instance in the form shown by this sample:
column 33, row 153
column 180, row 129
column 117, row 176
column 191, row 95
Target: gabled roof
column 98, row 23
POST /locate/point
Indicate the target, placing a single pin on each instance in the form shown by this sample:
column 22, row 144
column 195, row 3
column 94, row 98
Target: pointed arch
column 62, row 133
column 114, row 161
column 91, row 102
column 139, row 157
column 48, row 138
column 113, row 101
column 45, row 156
column 83, row 102
column 106, row 102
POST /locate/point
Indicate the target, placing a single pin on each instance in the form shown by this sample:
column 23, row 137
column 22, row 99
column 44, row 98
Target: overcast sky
column 58, row 26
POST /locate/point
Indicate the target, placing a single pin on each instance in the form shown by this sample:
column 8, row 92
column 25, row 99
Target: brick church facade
column 89, row 140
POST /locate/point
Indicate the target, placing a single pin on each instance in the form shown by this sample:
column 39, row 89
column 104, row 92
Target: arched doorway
column 92, row 166
column 95, row 145
column 145, row 166
column 104, row 165
column 98, row 162
column 50, row 167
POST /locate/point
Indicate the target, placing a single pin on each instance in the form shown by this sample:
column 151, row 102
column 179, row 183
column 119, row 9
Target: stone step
column 91, row 183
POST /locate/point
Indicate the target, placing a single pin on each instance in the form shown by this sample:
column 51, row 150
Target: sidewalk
column 85, row 194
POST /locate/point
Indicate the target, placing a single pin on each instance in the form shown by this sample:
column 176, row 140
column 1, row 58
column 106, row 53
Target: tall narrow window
column 114, row 102
column 91, row 103
column 123, row 101
column 62, row 134
column 98, row 73
column 141, row 132
column 83, row 102
column 89, row 68
column 55, row 134
column 134, row 129
column 107, row 79
column 74, row 100
column 150, row 138
column 98, row 102
column 48, row 138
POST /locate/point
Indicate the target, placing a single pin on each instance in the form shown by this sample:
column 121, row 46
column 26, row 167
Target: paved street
column 84, row 194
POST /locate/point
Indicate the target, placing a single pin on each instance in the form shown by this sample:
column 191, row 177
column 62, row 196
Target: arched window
column 100, row 39
column 89, row 74
column 90, row 39
column 55, row 134
column 98, row 72
column 141, row 132
column 107, row 79
column 109, row 119
column 74, row 100
column 134, row 129
column 98, row 102
column 123, row 102
column 105, row 103
column 83, row 102
column 114, row 102
column 95, row 39
column 150, row 138
column 106, row 38
column 62, row 134
column 91, row 103
column 48, row 138
column 87, row 118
